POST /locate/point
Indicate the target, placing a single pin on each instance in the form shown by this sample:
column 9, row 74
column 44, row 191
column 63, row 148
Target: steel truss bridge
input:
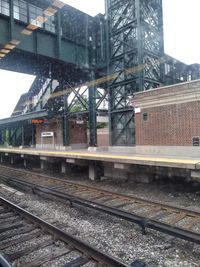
column 86, row 66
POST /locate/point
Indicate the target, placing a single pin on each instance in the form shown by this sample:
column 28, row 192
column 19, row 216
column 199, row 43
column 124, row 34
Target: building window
column 20, row 10
column 195, row 141
column 145, row 116
column 167, row 69
column 34, row 14
column 50, row 24
column 189, row 77
column 37, row 17
column 4, row 7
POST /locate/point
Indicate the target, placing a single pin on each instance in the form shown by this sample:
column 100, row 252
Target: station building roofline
column 169, row 86
column 24, row 117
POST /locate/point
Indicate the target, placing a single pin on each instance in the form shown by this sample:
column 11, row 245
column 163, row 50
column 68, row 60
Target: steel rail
column 92, row 253
column 4, row 262
column 109, row 193
column 144, row 222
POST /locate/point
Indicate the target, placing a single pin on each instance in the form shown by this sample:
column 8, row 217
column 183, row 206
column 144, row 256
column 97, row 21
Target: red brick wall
column 169, row 125
column 52, row 126
column 77, row 132
column 103, row 137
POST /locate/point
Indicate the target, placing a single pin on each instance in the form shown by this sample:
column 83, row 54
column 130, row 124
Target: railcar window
column 20, row 10
column 4, row 7
column 34, row 13
column 50, row 24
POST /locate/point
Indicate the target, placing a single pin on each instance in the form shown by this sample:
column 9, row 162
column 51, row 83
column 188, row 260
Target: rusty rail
column 108, row 202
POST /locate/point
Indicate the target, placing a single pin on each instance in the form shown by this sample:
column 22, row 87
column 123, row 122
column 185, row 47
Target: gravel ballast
column 114, row 236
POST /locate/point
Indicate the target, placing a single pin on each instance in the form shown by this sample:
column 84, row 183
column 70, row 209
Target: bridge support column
column 63, row 167
column 66, row 136
column 22, row 129
column 93, row 171
column 92, row 113
column 12, row 160
column 25, row 163
column 9, row 137
column 43, row 165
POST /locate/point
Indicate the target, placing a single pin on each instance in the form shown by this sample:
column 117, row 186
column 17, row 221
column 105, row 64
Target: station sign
column 37, row 121
column 47, row 134
column 79, row 122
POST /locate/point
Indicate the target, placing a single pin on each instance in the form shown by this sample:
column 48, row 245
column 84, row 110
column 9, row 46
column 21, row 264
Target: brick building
column 168, row 116
column 51, row 133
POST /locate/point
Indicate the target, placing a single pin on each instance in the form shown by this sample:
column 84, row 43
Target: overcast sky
column 182, row 41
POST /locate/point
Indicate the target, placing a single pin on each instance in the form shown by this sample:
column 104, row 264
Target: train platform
column 111, row 156
column 115, row 159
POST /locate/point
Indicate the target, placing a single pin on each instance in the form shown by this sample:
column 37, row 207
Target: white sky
column 181, row 33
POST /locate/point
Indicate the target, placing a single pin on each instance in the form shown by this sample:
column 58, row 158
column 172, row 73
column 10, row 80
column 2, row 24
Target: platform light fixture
column 50, row 11
column 15, row 42
column 5, row 51
column 58, row 4
column 41, row 19
column 9, row 46
column 32, row 27
column 26, row 32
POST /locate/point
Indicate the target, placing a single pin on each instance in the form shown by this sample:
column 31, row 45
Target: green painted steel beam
column 43, row 43
column 92, row 114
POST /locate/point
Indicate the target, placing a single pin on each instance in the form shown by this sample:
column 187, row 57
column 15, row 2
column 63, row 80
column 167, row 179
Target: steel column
column 9, row 136
column 66, row 136
column 22, row 132
column 92, row 112
column 11, row 19
column 135, row 39
column 33, row 135
column 58, row 31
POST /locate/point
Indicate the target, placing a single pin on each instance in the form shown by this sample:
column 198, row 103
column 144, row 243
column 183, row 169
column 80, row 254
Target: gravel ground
column 114, row 236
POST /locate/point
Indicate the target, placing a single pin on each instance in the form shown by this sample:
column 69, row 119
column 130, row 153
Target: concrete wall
column 163, row 151
column 169, row 116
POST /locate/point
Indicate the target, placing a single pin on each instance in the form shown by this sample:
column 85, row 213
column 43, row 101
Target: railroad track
column 172, row 220
column 28, row 241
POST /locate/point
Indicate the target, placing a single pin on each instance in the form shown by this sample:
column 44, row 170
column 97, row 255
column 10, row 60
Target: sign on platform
column 79, row 122
column 47, row 134
column 137, row 110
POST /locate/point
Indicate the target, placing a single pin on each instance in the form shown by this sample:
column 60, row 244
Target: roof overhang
column 24, row 117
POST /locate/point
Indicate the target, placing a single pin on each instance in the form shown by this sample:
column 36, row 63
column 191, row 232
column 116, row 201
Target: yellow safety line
column 101, row 156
